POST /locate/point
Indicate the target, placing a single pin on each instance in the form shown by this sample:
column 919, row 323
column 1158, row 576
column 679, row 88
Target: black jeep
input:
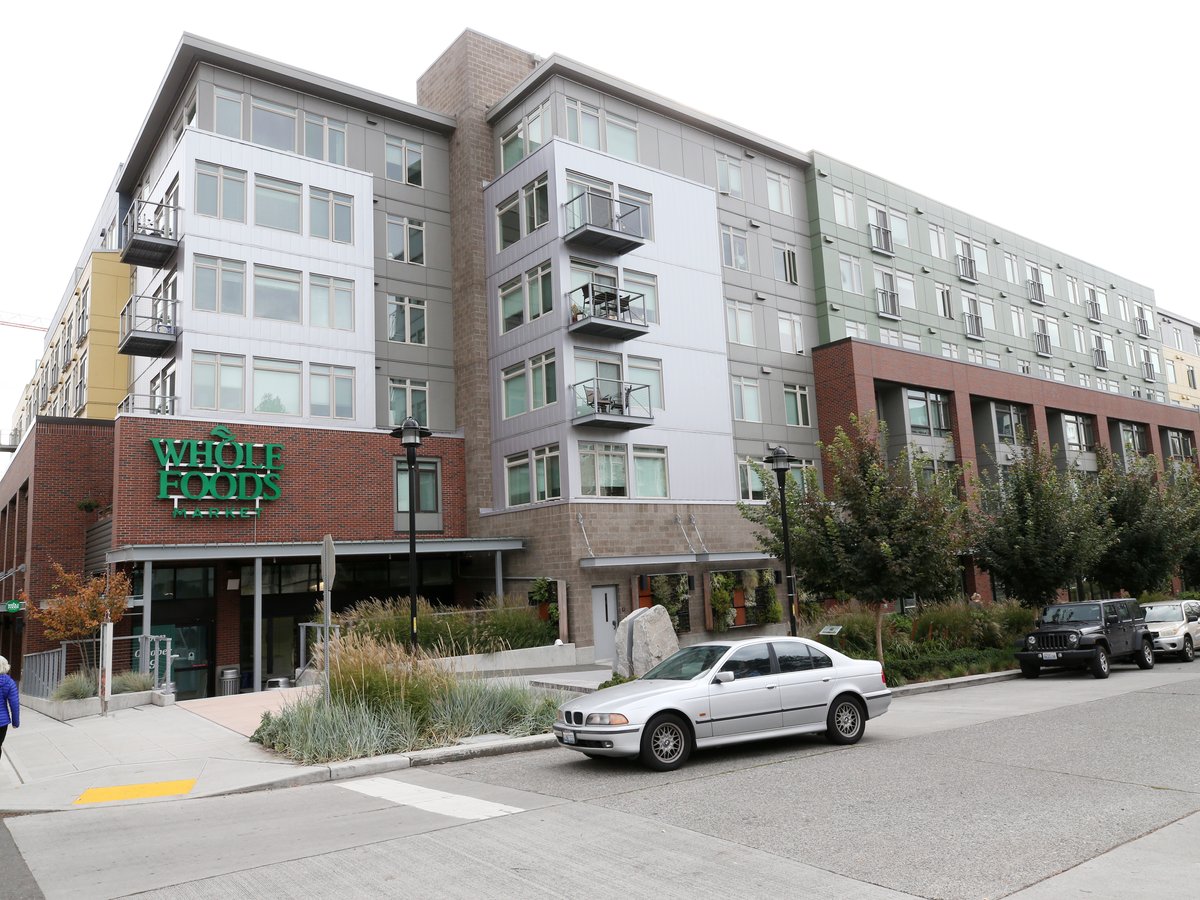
column 1088, row 634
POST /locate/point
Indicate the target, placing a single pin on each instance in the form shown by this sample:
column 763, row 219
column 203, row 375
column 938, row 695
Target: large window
column 602, row 470
column 331, row 391
column 515, row 381
column 403, row 161
column 543, row 382
column 516, row 479
column 647, row 371
column 428, row 491
column 406, row 240
column 407, row 396
column 1012, row 423
column 276, row 204
column 220, row 192
column 650, row 471
column 218, row 381
column 729, row 175
column 523, row 212
column 324, row 138
column 779, row 193
column 928, row 412
column 745, row 399
column 1079, row 432
column 526, row 298
column 524, row 138
column 227, row 113
column 220, row 285
column 791, row 333
column 784, row 258
column 851, row 269
column 749, row 484
column 795, row 405
column 739, row 320
column 546, row 481
column 331, row 302
column 273, row 125
column 277, row 386
column 843, row 207
column 537, row 483
column 586, row 124
column 406, row 319
column 646, row 285
column 276, row 294
column 331, row 216
column 734, row 248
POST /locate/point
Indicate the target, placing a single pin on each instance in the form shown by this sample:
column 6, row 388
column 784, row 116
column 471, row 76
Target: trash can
column 229, row 682
column 276, row 684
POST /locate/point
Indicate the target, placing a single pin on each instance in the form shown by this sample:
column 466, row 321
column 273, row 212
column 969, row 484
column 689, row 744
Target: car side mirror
column 723, row 678
column 1193, row 617
column 1111, row 620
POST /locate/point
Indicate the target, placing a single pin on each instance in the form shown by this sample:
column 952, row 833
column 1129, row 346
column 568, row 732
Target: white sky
column 1073, row 124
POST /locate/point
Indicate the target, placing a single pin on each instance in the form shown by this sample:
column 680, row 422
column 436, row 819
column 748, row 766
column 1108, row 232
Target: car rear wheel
column 1188, row 653
column 666, row 743
column 846, row 721
column 1100, row 663
column 1145, row 656
column 1031, row 669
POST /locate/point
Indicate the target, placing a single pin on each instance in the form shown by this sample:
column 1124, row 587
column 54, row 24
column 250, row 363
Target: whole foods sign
column 222, row 478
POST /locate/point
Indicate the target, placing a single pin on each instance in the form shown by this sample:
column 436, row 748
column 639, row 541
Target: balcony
column 602, row 310
column 889, row 303
column 149, row 234
column 1143, row 327
column 1100, row 358
column 1041, row 344
column 609, row 403
column 881, row 239
column 974, row 326
column 1148, row 371
column 148, row 326
column 596, row 220
column 966, row 269
column 148, row 405
column 1036, row 292
column 1093, row 310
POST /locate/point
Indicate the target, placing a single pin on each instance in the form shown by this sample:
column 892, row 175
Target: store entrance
column 183, row 609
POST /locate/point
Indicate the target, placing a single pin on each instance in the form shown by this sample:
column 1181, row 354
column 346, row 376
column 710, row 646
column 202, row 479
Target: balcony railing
column 611, row 403
column 1100, row 358
column 148, row 326
column 889, row 303
column 596, row 219
column 1036, row 292
column 1093, row 310
column 1148, row 371
column 149, row 234
column 148, row 404
column 604, row 310
column 1041, row 344
column 881, row 239
column 966, row 268
column 974, row 325
column 1143, row 327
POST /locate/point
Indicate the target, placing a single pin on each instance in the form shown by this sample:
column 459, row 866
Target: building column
column 147, row 603
column 499, row 575
column 257, row 684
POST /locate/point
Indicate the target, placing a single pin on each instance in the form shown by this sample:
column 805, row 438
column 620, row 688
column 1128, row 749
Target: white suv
column 1176, row 627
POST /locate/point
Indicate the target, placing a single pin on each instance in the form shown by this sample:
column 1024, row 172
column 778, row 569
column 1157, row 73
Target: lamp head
column 779, row 459
column 409, row 432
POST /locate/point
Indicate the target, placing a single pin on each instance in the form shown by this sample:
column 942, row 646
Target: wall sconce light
column 1008, row 350
column 834, row 307
column 918, row 211
column 758, row 296
column 372, row 122
column 996, row 241
column 749, row 154
column 1059, row 265
column 932, row 330
column 1072, row 365
column 1002, row 294
column 822, row 173
column 1112, row 286
column 924, row 270
column 828, row 239
column 754, row 224
column 766, row 370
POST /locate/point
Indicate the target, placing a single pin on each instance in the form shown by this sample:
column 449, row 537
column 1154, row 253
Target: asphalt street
column 1061, row 787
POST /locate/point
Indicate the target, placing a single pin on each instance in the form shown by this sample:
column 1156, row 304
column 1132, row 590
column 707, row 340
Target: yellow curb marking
column 136, row 791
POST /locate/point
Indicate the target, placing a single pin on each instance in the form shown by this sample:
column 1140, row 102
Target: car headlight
column 559, row 717
column 1073, row 639
column 1173, row 631
column 1031, row 641
column 606, row 719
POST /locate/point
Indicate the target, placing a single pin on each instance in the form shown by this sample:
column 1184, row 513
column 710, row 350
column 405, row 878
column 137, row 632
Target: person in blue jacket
column 10, row 701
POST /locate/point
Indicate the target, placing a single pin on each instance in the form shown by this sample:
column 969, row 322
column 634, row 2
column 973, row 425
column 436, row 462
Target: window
column 516, row 479
column 945, row 305
column 330, row 216
column 739, row 319
column 331, row 302
column 856, row 330
column 1047, row 325
column 1078, row 432
column 791, row 333
column 1011, row 268
column 406, row 319
column 913, row 342
column 949, row 350
column 546, row 481
column 1172, row 378
column 851, row 270
column 1012, row 422
column 886, row 298
column 729, row 175
column 784, row 257
column 273, row 125
column 536, row 197
column 220, row 285
column 906, row 290
column 1085, row 380
column 753, row 661
column 526, row 298
column 407, row 396
column 641, row 283
column 81, row 382
column 217, row 381
column 602, row 470
column 734, row 252
column 991, row 359
column 81, row 321
column 220, row 192
column 650, row 471
column 584, row 127
column 324, row 138
column 1123, row 308
column 749, row 484
column 403, row 161
column 227, row 113
column 889, row 336
column 899, row 228
column 276, row 294
column 621, row 136
column 1135, row 438
column 745, row 399
column 1073, row 289
column 1018, row 322
column 543, row 381
column 1079, row 338
column 331, row 391
column 515, row 380
column 1179, row 444
column 583, row 124
column 928, row 412
column 406, row 240
column 880, row 228
column 523, row 213
column 937, row 241
column 843, row 208
column 524, row 138
column 779, row 193
column 508, row 221
column 636, row 211
column 276, row 204
column 428, row 490
column 648, row 372
column 277, row 387
column 795, row 405
column 1191, row 377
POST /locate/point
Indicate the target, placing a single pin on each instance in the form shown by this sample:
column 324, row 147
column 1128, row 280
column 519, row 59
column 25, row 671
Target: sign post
column 328, row 570
column 106, row 663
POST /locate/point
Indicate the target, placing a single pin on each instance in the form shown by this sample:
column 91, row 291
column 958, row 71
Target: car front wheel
column 1100, row 663
column 666, row 743
column 1145, row 656
column 1188, row 653
column 846, row 721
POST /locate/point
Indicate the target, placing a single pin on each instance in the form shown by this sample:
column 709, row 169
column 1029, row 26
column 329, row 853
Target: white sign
column 831, row 629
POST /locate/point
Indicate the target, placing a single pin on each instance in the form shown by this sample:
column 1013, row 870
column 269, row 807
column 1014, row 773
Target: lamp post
column 410, row 433
column 781, row 461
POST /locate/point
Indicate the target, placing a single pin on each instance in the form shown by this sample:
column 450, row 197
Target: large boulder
column 644, row 638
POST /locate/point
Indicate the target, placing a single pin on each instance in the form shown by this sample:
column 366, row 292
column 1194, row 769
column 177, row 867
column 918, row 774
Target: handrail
column 159, row 220
column 604, row 301
column 611, row 396
column 150, row 404
column 604, row 211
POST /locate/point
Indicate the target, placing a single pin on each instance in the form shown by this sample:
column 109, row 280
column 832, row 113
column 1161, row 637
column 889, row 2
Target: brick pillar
column 1041, row 425
column 845, row 386
column 228, row 612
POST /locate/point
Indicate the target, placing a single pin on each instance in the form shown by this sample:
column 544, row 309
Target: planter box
column 65, row 710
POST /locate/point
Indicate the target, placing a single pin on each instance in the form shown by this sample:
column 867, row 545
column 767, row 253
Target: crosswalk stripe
column 441, row 802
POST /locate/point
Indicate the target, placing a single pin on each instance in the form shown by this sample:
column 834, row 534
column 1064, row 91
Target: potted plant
column 543, row 594
column 576, row 312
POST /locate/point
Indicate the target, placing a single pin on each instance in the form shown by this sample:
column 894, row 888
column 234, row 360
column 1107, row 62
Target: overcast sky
column 1073, row 124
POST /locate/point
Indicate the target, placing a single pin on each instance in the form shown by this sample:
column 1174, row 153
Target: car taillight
column 882, row 676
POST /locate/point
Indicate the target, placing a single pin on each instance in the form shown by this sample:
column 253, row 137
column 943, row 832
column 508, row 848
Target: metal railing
column 150, row 404
column 604, row 301
column 603, row 211
column 317, row 629
column 1093, row 310
column 1148, row 371
column 974, row 325
column 1041, row 343
column 966, row 268
column 1036, row 292
column 41, row 672
column 160, row 220
column 889, row 302
column 1100, row 358
column 611, row 397
column 881, row 238
column 1143, row 327
column 145, row 312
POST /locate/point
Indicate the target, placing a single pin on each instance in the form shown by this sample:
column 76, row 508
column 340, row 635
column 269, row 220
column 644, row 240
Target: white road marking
column 444, row 804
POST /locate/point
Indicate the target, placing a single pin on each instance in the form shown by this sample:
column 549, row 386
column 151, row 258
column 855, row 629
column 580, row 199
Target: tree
column 78, row 606
column 889, row 529
column 1183, row 508
column 1037, row 529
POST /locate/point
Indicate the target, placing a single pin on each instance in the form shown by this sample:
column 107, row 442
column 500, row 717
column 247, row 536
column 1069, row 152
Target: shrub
column 613, row 682
column 508, row 623
column 76, row 686
column 132, row 682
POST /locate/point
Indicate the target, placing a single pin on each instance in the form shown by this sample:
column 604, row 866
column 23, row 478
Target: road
column 1061, row 787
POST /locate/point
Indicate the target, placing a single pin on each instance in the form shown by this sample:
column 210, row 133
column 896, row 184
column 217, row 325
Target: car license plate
column 568, row 737
column 1049, row 656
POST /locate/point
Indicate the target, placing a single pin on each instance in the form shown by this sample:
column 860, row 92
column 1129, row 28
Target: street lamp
column 781, row 461
column 410, row 433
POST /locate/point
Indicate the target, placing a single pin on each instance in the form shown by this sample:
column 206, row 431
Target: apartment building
column 602, row 304
column 1181, row 358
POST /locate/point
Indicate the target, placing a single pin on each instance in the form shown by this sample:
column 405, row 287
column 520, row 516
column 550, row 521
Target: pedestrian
column 10, row 701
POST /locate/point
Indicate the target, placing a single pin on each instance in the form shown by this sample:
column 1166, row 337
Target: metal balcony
column 148, row 405
column 602, row 310
column 609, row 403
column 1148, row 371
column 149, row 234
column 1036, row 292
column 148, row 326
column 594, row 219
column 1093, row 310
column 881, row 239
column 966, row 268
column 1041, row 344
column 1100, row 358
column 974, row 326
column 889, row 303
column 1143, row 327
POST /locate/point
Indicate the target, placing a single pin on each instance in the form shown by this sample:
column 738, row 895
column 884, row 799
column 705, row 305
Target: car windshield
column 1071, row 612
column 1164, row 613
column 688, row 663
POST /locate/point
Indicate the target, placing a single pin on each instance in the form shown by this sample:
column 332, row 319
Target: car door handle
column 825, row 679
column 771, row 687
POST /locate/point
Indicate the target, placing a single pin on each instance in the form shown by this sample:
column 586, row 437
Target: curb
column 949, row 684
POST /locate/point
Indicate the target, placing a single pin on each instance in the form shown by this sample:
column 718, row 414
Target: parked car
column 725, row 692
column 1176, row 626
column 1090, row 635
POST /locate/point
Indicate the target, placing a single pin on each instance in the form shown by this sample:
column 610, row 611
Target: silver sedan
column 726, row 692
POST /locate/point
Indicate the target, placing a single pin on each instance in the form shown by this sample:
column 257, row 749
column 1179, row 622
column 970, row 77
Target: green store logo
column 194, row 475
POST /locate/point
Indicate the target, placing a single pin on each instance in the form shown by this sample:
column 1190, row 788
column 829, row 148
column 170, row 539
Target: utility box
column 229, row 682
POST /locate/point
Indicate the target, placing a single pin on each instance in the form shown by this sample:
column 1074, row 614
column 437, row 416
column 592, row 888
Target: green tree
column 1037, row 529
column 888, row 529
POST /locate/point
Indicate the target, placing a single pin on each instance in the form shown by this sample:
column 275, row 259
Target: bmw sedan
column 725, row 692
